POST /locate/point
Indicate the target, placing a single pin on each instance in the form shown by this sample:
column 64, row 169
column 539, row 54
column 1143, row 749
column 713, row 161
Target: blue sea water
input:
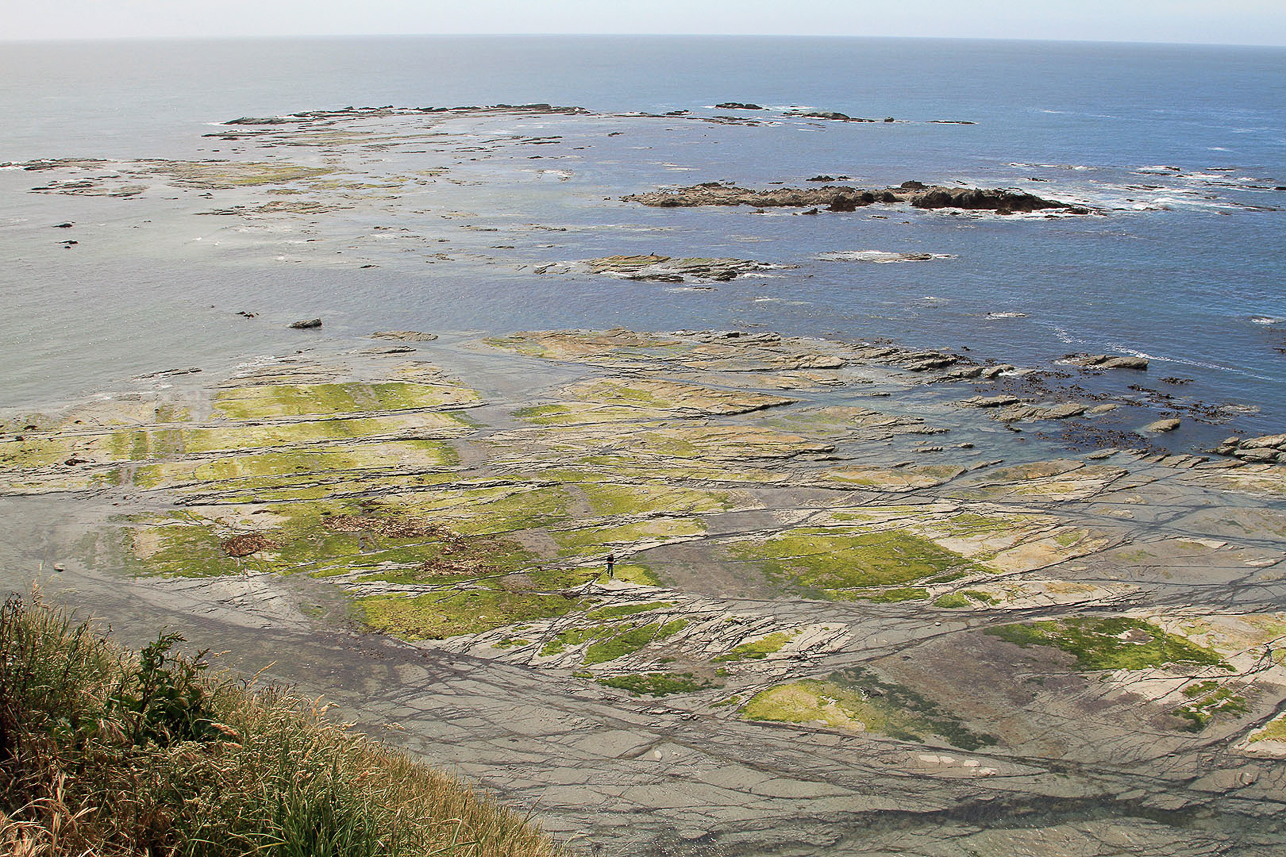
column 1182, row 147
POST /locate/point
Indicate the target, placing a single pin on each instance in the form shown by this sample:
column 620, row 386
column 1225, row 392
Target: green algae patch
column 616, row 345
column 609, row 642
column 324, row 461
column 964, row 598
column 1273, row 730
column 510, row 643
column 179, row 548
column 1208, row 699
column 232, row 174
column 631, row 641
column 1114, row 643
column 496, row 509
column 618, row 611
column 282, row 400
column 151, row 443
column 858, row 700
column 829, row 561
column 657, row 684
column 636, row 573
column 436, row 616
column 758, row 649
column 893, row 479
column 591, row 540
column 726, row 442
column 33, row 452
column 657, row 394
column 611, row 500
column 889, row 596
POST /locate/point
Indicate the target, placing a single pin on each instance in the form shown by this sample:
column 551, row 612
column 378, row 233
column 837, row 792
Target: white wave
column 879, row 257
column 993, row 315
column 1266, row 319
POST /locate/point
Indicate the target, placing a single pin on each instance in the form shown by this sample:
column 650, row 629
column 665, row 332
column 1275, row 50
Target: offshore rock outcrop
column 846, row 198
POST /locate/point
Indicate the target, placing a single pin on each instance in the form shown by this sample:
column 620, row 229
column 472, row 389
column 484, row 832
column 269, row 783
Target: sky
column 1250, row 22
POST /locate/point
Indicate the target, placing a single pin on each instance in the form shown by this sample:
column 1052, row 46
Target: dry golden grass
column 104, row 753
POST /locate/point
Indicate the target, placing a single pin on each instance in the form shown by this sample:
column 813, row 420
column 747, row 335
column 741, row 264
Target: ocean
column 1181, row 150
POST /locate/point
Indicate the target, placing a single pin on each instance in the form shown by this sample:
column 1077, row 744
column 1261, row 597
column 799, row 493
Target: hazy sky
column 1260, row 22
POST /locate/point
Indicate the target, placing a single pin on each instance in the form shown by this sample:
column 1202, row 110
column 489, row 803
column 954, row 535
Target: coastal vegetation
column 108, row 752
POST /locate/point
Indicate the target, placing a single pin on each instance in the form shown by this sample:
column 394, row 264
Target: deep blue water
column 1185, row 267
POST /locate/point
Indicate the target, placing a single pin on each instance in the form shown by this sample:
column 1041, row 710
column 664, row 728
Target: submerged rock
column 310, row 324
column 404, row 335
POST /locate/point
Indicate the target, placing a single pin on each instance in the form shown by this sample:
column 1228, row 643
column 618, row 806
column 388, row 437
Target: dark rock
column 821, row 178
column 1108, row 361
column 1001, row 201
column 63, row 225
column 310, row 324
column 737, row 105
column 913, row 185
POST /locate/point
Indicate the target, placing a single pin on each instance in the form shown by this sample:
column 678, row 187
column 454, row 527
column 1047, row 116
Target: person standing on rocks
column 611, row 566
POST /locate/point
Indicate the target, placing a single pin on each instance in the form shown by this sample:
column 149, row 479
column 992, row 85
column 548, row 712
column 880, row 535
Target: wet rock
column 1001, row 401
column 977, row 199
column 1162, row 425
column 844, row 198
column 404, row 335
column 737, row 105
column 1107, row 361
column 309, row 324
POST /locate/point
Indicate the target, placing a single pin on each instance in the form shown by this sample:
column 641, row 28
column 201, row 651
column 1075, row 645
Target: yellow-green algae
column 436, row 616
column 285, row 400
column 758, row 649
column 592, row 540
column 618, row 499
column 324, row 461
column 1207, row 700
column 1274, row 730
column 859, row 700
column 657, row 683
column 1110, row 643
column 231, row 174
column 618, row 611
column 832, row 560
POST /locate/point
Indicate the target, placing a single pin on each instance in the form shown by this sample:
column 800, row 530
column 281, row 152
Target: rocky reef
column 812, row 590
column 845, row 198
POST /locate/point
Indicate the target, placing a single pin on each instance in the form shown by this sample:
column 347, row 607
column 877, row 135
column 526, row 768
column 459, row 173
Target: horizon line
column 284, row 36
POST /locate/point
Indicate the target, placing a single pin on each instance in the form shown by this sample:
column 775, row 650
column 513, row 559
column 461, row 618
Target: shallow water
column 1182, row 268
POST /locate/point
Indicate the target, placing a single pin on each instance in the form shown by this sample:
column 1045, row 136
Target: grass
column 111, row 753
column 1110, row 643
